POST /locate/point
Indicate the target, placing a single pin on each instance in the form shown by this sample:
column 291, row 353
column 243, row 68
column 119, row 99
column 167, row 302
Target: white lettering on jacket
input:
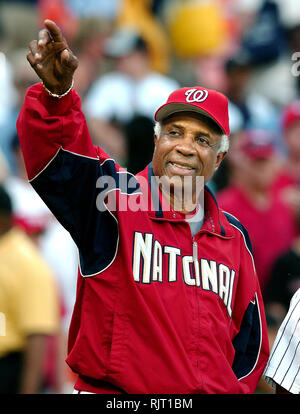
column 148, row 267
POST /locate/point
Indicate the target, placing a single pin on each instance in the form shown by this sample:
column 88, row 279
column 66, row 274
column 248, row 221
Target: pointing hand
column 52, row 59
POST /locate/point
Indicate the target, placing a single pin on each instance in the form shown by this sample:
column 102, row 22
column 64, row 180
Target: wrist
column 60, row 94
column 56, row 106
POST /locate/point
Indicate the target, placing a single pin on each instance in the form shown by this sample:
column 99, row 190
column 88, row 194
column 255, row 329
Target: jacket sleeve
column 64, row 167
column 251, row 345
column 250, row 339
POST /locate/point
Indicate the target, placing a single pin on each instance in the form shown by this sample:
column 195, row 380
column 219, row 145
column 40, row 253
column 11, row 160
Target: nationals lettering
column 147, row 267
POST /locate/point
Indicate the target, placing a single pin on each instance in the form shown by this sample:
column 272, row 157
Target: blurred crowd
column 132, row 55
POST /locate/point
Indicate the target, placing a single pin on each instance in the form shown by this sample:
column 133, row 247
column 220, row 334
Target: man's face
column 258, row 173
column 187, row 146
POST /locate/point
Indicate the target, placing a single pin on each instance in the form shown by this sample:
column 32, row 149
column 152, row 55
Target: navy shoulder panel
column 236, row 223
column 70, row 187
column 247, row 342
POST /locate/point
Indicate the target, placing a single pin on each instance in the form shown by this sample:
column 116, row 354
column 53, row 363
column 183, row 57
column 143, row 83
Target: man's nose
column 186, row 146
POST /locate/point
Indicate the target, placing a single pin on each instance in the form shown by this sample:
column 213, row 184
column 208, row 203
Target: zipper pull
column 196, row 263
column 195, row 251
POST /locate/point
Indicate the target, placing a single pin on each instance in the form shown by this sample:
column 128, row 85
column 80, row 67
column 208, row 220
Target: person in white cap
column 168, row 300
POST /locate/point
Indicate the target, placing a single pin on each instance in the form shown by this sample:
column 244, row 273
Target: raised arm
column 62, row 163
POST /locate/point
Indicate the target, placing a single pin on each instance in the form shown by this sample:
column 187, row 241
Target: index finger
column 54, row 31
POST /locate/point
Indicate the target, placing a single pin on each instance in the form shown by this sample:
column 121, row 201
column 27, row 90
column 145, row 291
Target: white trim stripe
column 47, row 165
column 52, row 159
column 115, row 189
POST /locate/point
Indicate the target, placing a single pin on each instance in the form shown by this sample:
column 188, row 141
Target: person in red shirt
column 288, row 180
column 254, row 199
column 168, row 300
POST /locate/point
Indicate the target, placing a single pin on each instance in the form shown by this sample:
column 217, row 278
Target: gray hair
column 224, row 144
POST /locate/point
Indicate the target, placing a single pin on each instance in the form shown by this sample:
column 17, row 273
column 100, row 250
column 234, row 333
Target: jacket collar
column 215, row 221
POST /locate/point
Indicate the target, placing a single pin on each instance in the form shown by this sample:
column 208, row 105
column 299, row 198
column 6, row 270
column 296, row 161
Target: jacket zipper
column 197, row 305
column 196, row 262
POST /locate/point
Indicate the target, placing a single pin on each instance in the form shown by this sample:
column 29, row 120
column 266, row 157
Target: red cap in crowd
column 257, row 144
column 197, row 99
column 291, row 114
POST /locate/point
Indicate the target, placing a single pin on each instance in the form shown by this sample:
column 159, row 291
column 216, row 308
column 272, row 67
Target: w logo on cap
column 196, row 95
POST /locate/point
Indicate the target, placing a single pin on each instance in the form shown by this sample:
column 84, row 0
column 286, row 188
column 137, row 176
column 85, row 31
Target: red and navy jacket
column 157, row 310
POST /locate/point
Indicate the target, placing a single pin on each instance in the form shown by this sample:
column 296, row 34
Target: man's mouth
column 181, row 168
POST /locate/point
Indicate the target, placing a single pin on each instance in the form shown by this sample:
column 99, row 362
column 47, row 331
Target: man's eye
column 203, row 141
column 173, row 133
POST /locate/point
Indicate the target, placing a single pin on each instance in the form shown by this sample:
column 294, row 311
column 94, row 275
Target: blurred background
column 132, row 55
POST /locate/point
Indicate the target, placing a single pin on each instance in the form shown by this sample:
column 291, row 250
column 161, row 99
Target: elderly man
column 168, row 299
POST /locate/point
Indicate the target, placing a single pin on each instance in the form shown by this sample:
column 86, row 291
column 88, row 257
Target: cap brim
column 172, row 108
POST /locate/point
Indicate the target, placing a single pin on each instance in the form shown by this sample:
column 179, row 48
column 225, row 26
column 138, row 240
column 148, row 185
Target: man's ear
column 155, row 140
column 219, row 159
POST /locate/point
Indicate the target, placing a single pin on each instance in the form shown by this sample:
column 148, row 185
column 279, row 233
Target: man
column 29, row 306
column 166, row 303
column 282, row 370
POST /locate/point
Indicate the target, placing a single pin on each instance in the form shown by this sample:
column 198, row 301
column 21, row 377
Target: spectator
column 288, row 182
column 131, row 90
column 252, row 199
column 279, row 71
column 21, row 79
column 256, row 110
column 291, row 133
column 29, row 303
